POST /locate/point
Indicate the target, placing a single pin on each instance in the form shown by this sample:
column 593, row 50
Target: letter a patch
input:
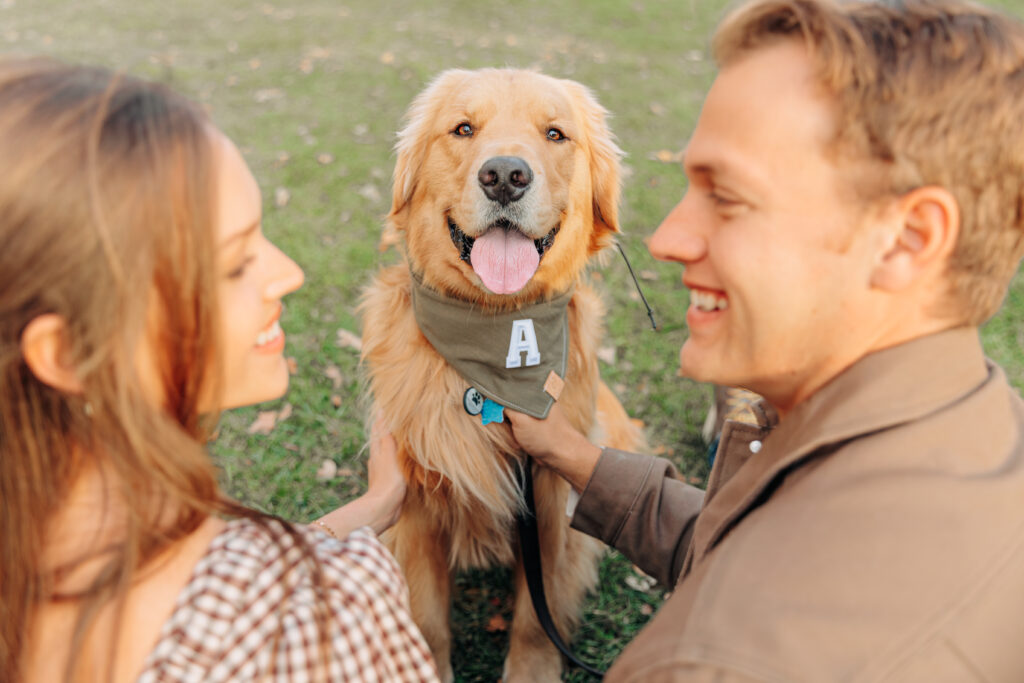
column 524, row 340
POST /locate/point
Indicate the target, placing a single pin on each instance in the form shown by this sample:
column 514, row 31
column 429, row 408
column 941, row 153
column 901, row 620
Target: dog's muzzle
column 464, row 243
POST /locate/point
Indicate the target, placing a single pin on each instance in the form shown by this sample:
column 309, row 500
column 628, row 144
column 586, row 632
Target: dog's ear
column 605, row 168
column 411, row 148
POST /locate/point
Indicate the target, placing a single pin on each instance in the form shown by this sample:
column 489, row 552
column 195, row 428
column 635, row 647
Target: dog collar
column 508, row 357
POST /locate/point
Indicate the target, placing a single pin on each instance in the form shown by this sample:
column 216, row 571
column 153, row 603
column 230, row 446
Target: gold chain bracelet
column 326, row 528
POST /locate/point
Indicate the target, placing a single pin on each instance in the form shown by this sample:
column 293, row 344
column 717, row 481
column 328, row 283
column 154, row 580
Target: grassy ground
column 313, row 91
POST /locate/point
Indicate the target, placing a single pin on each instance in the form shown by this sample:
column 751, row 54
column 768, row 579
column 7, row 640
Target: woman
column 138, row 297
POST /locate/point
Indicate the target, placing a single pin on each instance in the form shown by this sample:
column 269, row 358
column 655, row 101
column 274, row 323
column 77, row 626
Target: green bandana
column 507, row 357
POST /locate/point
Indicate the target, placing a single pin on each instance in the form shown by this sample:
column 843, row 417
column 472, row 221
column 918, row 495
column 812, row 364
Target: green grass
column 291, row 82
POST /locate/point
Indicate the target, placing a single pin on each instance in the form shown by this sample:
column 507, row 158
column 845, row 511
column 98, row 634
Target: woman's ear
column 927, row 226
column 44, row 346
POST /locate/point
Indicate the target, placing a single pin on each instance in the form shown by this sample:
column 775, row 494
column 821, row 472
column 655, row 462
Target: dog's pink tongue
column 504, row 259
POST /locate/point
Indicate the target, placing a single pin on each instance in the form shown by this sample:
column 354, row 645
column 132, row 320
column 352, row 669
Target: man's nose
column 678, row 238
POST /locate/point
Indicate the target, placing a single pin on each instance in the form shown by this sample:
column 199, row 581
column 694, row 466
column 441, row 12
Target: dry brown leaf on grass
column 667, row 157
column 369, row 192
column 266, row 420
column 328, row 470
column 267, row 95
column 281, row 197
column 639, row 581
column 293, row 365
column 496, row 623
column 335, row 400
column 349, row 340
column 333, row 373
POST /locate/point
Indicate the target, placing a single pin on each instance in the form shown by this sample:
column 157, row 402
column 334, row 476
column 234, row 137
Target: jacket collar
column 884, row 389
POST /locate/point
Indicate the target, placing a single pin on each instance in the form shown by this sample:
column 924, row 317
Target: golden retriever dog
column 505, row 186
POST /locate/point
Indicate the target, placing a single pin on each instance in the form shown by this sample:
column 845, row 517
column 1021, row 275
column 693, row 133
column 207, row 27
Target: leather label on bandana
column 554, row 385
column 509, row 357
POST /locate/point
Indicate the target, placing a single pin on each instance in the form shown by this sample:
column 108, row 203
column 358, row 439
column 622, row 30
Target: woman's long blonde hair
column 106, row 211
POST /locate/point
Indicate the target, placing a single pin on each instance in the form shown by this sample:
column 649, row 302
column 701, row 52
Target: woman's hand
column 386, row 485
column 555, row 443
column 381, row 505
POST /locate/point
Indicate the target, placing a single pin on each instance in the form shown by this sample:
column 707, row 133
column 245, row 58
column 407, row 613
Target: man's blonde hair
column 928, row 93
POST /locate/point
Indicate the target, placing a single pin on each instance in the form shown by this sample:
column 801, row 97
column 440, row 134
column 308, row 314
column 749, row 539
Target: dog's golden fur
column 463, row 493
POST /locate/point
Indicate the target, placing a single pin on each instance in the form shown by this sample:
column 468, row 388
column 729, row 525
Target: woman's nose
column 288, row 276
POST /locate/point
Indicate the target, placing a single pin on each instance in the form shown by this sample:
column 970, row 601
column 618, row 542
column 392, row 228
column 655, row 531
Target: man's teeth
column 708, row 301
column 270, row 334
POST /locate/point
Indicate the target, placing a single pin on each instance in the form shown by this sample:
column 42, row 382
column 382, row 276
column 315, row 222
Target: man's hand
column 556, row 444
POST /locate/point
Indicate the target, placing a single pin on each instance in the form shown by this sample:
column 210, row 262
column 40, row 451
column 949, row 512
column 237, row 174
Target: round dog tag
column 472, row 401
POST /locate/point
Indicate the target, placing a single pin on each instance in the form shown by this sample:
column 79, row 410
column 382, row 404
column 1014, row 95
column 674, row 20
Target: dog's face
column 507, row 181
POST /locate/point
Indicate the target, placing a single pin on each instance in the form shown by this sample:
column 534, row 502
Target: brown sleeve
column 635, row 504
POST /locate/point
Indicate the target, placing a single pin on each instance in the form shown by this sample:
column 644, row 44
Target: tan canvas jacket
column 875, row 534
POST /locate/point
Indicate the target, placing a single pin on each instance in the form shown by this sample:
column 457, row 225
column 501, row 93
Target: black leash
column 529, row 539
column 650, row 313
column 529, row 542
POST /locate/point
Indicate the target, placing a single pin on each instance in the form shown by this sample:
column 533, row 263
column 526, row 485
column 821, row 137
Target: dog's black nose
column 505, row 179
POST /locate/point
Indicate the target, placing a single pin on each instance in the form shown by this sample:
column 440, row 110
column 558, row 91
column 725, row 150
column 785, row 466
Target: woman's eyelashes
column 239, row 270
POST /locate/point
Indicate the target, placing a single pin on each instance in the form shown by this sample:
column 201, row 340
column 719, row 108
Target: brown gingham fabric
column 248, row 614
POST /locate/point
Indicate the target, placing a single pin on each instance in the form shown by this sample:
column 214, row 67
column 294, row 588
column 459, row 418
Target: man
column 855, row 211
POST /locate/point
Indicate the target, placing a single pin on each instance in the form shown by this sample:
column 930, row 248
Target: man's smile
column 708, row 301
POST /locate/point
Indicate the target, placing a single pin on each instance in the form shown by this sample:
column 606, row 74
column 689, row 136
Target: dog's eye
column 555, row 135
column 463, row 130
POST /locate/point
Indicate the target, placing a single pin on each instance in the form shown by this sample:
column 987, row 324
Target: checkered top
column 248, row 614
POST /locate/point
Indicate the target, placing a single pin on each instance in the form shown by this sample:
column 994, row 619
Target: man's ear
column 926, row 228
column 44, row 346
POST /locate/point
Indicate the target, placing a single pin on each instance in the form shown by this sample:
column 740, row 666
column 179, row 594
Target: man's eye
column 555, row 135
column 463, row 130
column 719, row 200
